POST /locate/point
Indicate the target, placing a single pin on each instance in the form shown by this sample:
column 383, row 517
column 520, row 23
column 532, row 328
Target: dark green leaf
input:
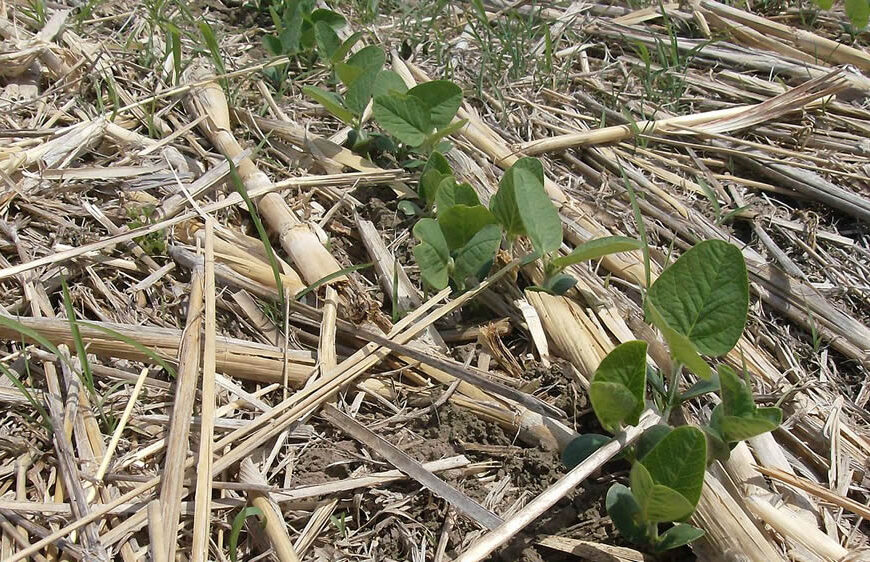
column 403, row 116
column 359, row 93
column 273, row 45
column 346, row 46
column 736, row 395
column 539, row 215
column 625, row 514
column 704, row 296
column 389, row 82
column 443, row 132
column 449, row 193
column 717, row 448
column 428, row 230
column 597, row 248
column 581, row 447
column 327, row 40
column 679, row 535
column 682, row 349
column 331, row 102
column 347, row 73
column 441, row 97
column 617, row 388
column 475, row 258
column 701, row 388
column 650, row 438
column 368, row 58
column 332, row 19
column 460, row 223
column 433, row 268
column 560, row 284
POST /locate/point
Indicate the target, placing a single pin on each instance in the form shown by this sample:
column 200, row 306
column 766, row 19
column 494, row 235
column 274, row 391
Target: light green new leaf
column 597, row 248
column 460, row 223
column 539, row 215
column 618, row 386
column 678, row 461
column 658, row 503
column 331, row 102
column 737, row 418
column 403, row 116
column 704, row 296
column 475, row 258
column 441, row 97
column 679, row 535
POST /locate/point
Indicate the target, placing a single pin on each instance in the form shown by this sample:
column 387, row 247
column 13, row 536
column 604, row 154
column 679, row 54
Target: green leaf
column 539, row 215
column 701, row 388
column 443, row 132
column 346, row 46
column 825, row 4
column 626, row 514
column 327, row 39
column 737, row 418
column 403, row 116
column 858, row 12
column 437, row 161
column 717, row 448
column 560, row 284
column 273, row 45
column 333, row 19
column 238, row 523
column 389, row 82
column 617, row 388
column 704, row 296
column 331, row 102
column 475, row 258
column 581, row 447
column 441, row 97
column 650, row 438
column 504, row 205
column 679, row 535
column 347, row 73
column 678, row 462
column 432, row 254
column 682, row 349
column 597, row 248
column 460, row 223
column 657, row 502
column 359, row 93
column 434, row 172
column 449, row 193
column 368, row 58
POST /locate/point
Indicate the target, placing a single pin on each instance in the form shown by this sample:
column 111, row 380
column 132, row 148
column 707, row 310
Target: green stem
column 673, row 389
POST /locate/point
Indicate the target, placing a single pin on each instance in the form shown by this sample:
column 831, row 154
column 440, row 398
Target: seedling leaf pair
column 737, row 417
column 618, row 387
column 419, row 116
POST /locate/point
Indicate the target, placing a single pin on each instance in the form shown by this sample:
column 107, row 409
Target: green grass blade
column 87, row 375
column 46, row 419
column 236, row 529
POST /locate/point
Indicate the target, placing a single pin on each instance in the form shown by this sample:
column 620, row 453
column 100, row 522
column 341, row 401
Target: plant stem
column 673, row 389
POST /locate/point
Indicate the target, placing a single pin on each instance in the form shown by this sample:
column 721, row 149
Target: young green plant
column 700, row 305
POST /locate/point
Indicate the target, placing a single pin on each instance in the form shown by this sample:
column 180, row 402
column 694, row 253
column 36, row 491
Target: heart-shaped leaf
column 460, row 223
column 658, row 503
column 476, row 257
column 403, row 116
column 704, row 296
column 617, row 388
column 441, row 97
column 679, row 535
column 368, row 58
column 677, row 462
